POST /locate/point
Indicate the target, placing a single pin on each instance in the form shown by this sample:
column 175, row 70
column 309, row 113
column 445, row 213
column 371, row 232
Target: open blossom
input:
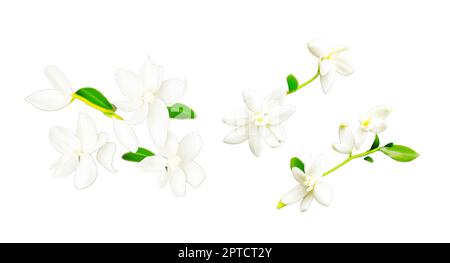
column 176, row 164
column 346, row 140
column 148, row 97
column 260, row 122
column 330, row 62
column 373, row 121
column 76, row 150
column 309, row 186
column 56, row 98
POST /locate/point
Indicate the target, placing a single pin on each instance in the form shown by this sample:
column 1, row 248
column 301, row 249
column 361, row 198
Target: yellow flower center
column 309, row 183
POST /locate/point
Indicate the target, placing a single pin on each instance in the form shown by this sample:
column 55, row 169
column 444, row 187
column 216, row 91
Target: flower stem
column 351, row 157
column 305, row 83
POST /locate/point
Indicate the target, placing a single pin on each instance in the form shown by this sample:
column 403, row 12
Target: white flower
column 330, row 62
column 260, row 121
column 309, row 186
column 346, row 140
column 148, row 97
column 76, row 151
column 176, row 163
column 373, row 121
column 56, row 98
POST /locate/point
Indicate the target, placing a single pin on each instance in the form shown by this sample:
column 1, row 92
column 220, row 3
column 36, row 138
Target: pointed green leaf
column 296, row 162
column 369, row 159
column 376, row 142
column 389, row 144
column 138, row 156
column 95, row 98
column 292, row 83
column 400, row 153
column 181, row 111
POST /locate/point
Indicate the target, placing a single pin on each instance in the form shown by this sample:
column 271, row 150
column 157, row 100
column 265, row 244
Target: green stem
column 351, row 157
column 305, row 83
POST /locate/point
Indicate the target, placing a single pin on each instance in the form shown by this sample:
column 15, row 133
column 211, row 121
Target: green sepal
column 181, row 111
column 296, row 162
column 376, row 142
column 369, row 159
column 138, row 156
column 400, row 153
column 292, row 83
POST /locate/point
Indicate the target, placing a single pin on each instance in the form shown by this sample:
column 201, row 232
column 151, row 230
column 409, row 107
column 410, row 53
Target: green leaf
column 376, row 142
column 389, row 144
column 400, row 153
column 138, row 156
column 369, row 159
column 95, row 99
column 296, row 162
column 181, row 111
column 292, row 83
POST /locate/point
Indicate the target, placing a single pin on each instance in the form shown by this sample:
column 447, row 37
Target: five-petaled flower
column 148, row 97
column 309, row 186
column 330, row 62
column 176, row 164
column 373, row 121
column 261, row 121
column 76, row 150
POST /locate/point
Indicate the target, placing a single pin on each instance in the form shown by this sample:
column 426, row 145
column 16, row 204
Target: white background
column 400, row 49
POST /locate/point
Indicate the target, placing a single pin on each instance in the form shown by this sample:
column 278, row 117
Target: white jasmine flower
column 56, row 98
column 373, row 121
column 330, row 62
column 176, row 163
column 309, row 186
column 261, row 121
column 76, row 150
column 346, row 140
column 148, row 97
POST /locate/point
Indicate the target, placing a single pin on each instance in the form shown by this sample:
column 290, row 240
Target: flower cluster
column 150, row 98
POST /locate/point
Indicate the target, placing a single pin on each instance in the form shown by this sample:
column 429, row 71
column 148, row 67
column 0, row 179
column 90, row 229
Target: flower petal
column 129, row 105
column 294, row 195
column 58, row 80
column 319, row 48
column 327, row 80
column 139, row 115
column 306, row 202
column 190, row 146
column 255, row 139
column 49, row 100
column 177, row 181
column 271, row 140
column 298, row 174
column 172, row 90
column 280, row 114
column 360, row 137
column 326, row 66
column 346, row 135
column 86, row 172
column 163, row 178
column 105, row 156
column 64, row 141
column 153, row 164
column 379, row 127
column 65, row 166
column 273, row 100
column 87, row 133
column 337, row 50
column 279, row 132
column 170, row 147
column 194, row 173
column 380, row 112
column 323, row 193
column 102, row 138
column 158, row 121
column 129, row 84
column 125, row 134
column 344, row 66
column 237, row 118
column 151, row 76
column 252, row 100
column 318, row 167
column 342, row 148
column 237, row 135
